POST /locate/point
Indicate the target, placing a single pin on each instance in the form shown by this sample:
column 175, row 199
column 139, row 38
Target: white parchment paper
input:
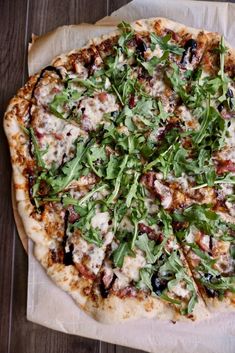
column 48, row 305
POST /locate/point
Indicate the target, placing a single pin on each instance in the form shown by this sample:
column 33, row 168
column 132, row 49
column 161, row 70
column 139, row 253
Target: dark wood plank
column 48, row 14
column 12, row 51
column 41, row 17
column 110, row 348
column 116, row 4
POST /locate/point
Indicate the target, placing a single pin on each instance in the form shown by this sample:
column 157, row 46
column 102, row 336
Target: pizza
column 123, row 158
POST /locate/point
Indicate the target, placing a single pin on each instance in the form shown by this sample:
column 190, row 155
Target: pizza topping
column 164, row 193
column 133, row 151
column 189, row 51
column 158, row 285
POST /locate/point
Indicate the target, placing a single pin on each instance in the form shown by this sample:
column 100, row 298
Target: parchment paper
column 48, row 305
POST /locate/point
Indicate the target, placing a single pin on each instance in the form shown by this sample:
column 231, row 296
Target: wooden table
column 18, row 20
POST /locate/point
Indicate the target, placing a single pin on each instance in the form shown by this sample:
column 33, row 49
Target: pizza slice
column 151, row 279
column 208, row 243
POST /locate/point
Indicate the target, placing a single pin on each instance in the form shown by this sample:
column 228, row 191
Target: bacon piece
column 162, row 191
column 38, row 134
column 199, row 241
column 108, row 277
column 58, row 136
column 158, row 237
column 132, row 101
column 164, row 194
column 225, row 166
column 227, row 115
column 73, row 216
column 148, row 180
column 102, row 96
column 84, row 271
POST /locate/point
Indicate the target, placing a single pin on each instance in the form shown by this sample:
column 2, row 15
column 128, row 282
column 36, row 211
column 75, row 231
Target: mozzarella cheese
column 180, row 291
column 101, row 221
column 94, row 110
column 165, row 194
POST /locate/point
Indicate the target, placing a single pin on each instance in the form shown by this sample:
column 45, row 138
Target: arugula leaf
column 164, row 44
column 119, row 254
column 171, row 300
column 166, row 219
column 151, row 64
column 118, row 180
column 91, row 193
column 132, row 192
column 67, row 97
column 90, row 234
column 145, row 278
column 227, row 179
column 71, row 169
column 93, row 236
column 201, row 216
column 95, row 156
column 36, row 150
column 203, row 255
column 177, row 81
column 126, row 34
column 148, row 246
column 112, row 167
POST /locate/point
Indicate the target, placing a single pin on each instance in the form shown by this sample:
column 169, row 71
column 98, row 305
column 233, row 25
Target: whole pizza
column 123, row 157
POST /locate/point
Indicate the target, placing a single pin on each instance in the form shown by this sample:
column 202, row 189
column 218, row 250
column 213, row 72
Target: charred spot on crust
column 57, row 255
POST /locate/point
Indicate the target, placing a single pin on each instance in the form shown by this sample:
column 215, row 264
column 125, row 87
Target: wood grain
column 12, row 49
column 113, row 5
column 18, row 20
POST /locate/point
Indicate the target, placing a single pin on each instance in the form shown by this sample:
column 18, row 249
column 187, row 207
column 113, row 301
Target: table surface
column 18, row 20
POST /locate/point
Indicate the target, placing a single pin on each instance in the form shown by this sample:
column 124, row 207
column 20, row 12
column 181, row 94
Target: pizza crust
column 66, row 277
column 14, row 119
column 115, row 309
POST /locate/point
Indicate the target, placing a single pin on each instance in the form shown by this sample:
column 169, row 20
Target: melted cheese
column 157, row 52
column 55, row 137
column 132, row 265
column 164, row 192
column 180, row 291
column 101, row 221
column 129, row 271
column 94, row 110
column 190, row 121
column 126, row 224
column 45, row 93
